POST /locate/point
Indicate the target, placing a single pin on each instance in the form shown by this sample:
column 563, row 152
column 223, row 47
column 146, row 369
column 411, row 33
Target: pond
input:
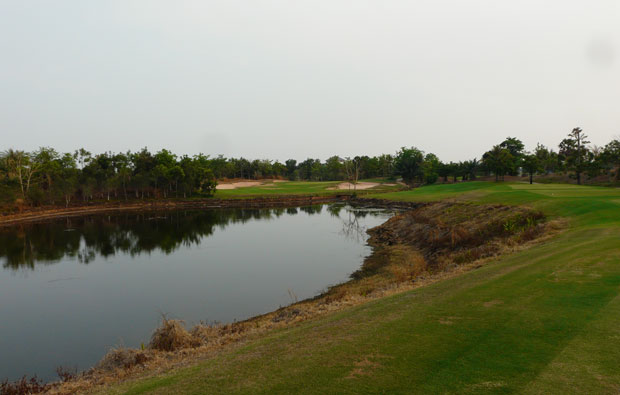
column 71, row 288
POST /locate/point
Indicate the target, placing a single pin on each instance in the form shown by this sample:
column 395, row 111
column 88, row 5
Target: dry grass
column 171, row 335
column 122, row 358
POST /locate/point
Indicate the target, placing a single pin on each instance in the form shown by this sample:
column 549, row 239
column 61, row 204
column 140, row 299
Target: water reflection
column 105, row 235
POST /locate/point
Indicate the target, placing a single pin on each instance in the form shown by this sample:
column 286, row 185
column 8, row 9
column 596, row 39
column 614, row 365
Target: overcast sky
column 297, row 79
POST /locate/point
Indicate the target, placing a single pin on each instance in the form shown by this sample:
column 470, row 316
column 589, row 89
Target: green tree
column 22, row 167
column 548, row 159
column 67, row 181
column 611, row 156
column 516, row 149
column 386, row 165
column 531, row 165
column 291, row 166
column 430, row 168
column 575, row 152
column 408, row 163
column 499, row 160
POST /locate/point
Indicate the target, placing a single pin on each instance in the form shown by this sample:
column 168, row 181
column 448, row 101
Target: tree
column 430, row 168
column 548, row 159
column 574, row 150
column 352, row 169
column 334, row 168
column 531, row 164
column 68, row 180
column 279, row 169
column 122, row 166
column 515, row 147
column 444, row 171
column 611, row 156
column 499, row 160
column 291, row 166
column 22, row 167
column 470, row 167
column 386, row 165
column 408, row 163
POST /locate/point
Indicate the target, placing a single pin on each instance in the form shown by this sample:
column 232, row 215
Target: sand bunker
column 360, row 185
column 268, row 183
column 241, row 184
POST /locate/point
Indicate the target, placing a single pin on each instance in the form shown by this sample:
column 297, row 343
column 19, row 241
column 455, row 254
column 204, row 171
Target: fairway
column 544, row 320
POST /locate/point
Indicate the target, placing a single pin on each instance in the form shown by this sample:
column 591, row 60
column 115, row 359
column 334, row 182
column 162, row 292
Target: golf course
column 545, row 319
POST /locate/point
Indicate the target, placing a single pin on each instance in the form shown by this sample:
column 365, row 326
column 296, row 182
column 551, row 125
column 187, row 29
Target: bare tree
column 352, row 168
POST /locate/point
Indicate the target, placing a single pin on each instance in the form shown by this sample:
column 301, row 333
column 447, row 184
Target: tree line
column 46, row 176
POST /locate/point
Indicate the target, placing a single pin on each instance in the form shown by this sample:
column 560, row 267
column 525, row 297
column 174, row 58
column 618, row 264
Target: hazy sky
column 282, row 79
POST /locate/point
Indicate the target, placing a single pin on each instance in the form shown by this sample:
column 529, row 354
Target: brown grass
column 171, row 336
column 122, row 358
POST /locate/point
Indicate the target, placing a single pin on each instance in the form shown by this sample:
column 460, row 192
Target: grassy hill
column 544, row 320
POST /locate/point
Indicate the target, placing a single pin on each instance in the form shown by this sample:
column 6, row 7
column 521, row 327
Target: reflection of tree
column 311, row 210
column 85, row 238
column 105, row 235
column 335, row 209
column 351, row 226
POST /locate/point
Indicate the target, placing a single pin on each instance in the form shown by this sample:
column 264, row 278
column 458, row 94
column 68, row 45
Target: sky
column 298, row 79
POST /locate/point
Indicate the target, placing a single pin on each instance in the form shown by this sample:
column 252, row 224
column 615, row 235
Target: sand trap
column 244, row 184
column 360, row 185
column 241, row 184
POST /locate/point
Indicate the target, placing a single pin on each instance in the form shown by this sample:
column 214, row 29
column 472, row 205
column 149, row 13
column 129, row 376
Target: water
column 74, row 287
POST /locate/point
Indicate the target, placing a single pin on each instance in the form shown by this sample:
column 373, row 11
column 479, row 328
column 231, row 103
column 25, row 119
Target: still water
column 72, row 288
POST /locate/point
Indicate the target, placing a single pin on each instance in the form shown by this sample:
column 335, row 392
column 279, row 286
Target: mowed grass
column 291, row 188
column 544, row 320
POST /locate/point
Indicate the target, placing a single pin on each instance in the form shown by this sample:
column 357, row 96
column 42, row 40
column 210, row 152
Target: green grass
column 544, row 320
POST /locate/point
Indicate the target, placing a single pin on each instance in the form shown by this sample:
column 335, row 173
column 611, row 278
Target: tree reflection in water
column 87, row 237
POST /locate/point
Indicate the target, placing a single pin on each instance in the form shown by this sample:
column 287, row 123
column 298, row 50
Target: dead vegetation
column 171, row 336
column 415, row 248
column 23, row 386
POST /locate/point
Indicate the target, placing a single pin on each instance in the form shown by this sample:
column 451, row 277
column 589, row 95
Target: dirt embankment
column 257, row 202
column 441, row 236
column 425, row 243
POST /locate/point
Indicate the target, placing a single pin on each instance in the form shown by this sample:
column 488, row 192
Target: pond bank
column 426, row 243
